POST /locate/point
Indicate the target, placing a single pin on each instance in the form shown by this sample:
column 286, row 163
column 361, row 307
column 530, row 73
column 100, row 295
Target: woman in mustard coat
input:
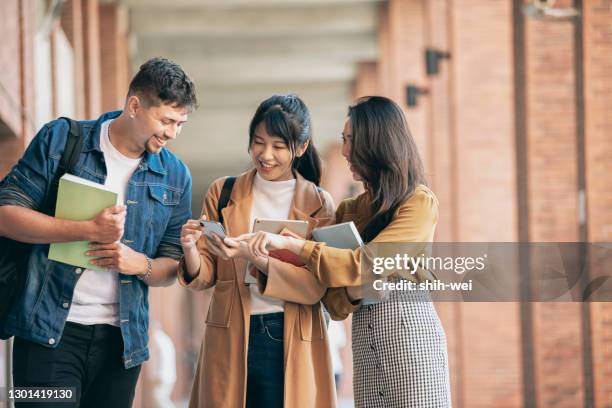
column 264, row 345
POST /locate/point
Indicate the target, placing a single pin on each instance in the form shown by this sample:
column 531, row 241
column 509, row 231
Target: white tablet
column 276, row 226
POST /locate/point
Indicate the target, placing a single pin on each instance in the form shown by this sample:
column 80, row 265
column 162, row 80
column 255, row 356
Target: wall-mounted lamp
column 412, row 94
column 546, row 10
column 432, row 60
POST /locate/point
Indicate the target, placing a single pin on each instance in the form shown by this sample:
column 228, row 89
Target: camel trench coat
column 220, row 379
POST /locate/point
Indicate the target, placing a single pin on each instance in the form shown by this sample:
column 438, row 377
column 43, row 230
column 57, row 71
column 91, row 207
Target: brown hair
column 386, row 157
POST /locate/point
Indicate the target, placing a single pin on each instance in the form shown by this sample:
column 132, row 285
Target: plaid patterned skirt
column 399, row 354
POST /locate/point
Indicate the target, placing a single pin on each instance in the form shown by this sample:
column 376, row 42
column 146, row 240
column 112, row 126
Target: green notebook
column 78, row 200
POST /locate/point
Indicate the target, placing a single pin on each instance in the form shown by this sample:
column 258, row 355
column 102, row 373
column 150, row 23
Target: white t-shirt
column 271, row 200
column 96, row 295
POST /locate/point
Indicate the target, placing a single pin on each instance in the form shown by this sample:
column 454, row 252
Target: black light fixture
column 412, row 94
column 546, row 10
column 432, row 60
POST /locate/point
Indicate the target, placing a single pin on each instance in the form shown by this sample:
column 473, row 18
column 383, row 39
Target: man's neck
column 120, row 134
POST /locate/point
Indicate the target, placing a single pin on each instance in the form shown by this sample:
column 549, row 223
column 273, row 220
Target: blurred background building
column 510, row 102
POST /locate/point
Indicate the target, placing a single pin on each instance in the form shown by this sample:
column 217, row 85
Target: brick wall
column 598, row 122
column 16, row 82
column 471, row 156
column 401, row 43
column 72, row 24
column 92, row 89
column 10, row 65
column 477, row 174
column 553, row 197
column 28, row 86
column 366, row 81
column 114, row 55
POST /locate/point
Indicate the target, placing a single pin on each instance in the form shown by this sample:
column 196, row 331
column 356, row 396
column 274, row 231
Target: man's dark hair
column 160, row 80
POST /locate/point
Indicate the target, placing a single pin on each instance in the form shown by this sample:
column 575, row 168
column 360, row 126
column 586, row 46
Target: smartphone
column 211, row 227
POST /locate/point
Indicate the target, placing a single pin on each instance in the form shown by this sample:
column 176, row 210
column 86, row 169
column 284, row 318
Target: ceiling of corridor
column 241, row 51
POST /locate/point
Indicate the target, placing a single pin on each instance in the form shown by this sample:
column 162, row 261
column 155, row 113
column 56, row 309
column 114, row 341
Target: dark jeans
column 265, row 371
column 88, row 358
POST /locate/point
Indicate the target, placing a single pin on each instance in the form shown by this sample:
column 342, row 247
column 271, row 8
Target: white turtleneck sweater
column 271, row 200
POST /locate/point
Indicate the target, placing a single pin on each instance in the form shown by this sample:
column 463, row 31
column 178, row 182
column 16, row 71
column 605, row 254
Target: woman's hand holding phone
column 211, row 228
column 191, row 232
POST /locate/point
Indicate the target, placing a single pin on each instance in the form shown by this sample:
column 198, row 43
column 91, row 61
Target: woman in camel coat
column 224, row 363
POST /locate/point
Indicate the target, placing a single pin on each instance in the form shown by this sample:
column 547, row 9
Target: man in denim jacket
column 85, row 328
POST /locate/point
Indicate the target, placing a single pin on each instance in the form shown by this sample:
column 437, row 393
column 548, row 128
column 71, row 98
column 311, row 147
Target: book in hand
column 79, row 200
column 343, row 236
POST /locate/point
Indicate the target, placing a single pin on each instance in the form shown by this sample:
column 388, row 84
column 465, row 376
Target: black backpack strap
column 72, row 150
column 68, row 161
column 226, row 191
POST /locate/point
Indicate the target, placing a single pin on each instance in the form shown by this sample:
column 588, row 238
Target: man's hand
column 108, row 225
column 118, row 257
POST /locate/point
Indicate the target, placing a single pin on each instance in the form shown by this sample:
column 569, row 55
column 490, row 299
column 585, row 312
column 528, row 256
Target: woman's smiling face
column 271, row 155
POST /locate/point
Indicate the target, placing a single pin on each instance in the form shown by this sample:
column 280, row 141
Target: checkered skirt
column 399, row 354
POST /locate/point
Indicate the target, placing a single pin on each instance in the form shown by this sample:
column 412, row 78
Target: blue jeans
column 265, row 373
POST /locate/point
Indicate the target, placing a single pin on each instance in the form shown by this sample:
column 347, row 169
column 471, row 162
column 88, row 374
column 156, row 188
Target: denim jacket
column 158, row 201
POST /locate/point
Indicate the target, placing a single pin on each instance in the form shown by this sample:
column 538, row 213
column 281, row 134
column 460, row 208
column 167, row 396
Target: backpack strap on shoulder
column 67, row 164
column 226, row 192
column 72, row 150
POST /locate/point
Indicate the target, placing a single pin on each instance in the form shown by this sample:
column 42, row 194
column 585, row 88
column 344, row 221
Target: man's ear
column 302, row 149
column 133, row 105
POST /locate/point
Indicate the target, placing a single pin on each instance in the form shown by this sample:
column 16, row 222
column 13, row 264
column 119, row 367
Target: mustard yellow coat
column 220, row 379
column 414, row 221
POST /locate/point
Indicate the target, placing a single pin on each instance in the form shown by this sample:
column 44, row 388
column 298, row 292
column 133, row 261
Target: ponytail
column 309, row 164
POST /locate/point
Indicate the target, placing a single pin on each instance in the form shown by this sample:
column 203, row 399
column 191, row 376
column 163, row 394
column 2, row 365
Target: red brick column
column 475, row 171
column 16, row 82
column 597, row 41
column 10, row 66
column 366, row 82
column 442, row 167
column 91, row 50
column 401, row 44
column 72, row 24
column 553, row 198
column 114, row 59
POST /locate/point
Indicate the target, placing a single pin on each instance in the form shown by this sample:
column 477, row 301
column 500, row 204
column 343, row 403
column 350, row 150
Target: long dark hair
column 386, row 157
column 287, row 117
